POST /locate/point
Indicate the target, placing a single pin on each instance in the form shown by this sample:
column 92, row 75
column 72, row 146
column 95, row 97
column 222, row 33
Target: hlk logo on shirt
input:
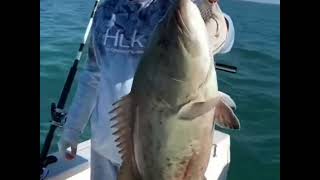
column 115, row 41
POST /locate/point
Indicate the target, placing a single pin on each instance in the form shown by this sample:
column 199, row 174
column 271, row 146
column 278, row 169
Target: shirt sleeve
column 230, row 36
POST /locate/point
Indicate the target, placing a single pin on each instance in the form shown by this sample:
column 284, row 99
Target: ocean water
column 255, row 149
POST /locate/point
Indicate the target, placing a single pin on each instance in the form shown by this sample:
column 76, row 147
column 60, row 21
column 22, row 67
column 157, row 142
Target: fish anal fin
column 225, row 117
column 227, row 100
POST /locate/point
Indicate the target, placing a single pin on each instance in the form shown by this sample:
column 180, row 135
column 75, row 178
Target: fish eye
column 213, row 1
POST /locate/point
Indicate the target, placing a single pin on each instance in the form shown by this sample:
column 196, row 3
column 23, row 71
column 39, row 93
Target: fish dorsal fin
column 124, row 117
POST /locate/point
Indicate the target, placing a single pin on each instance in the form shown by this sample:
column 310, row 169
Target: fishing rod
column 57, row 111
column 226, row 68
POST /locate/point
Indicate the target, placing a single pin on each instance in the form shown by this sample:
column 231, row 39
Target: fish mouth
column 184, row 15
column 182, row 26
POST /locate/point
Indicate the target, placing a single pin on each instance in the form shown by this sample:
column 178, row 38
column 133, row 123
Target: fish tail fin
column 128, row 172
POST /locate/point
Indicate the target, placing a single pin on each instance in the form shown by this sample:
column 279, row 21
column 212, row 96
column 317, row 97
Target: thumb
column 74, row 150
column 71, row 155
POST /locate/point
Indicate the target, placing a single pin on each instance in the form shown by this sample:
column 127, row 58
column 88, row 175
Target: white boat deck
column 79, row 169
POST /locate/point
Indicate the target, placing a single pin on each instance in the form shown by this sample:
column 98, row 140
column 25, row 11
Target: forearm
column 82, row 105
column 84, row 100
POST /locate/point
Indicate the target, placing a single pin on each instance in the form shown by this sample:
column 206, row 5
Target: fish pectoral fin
column 225, row 117
column 223, row 106
column 195, row 109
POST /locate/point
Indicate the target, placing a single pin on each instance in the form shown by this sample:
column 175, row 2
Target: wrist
column 71, row 136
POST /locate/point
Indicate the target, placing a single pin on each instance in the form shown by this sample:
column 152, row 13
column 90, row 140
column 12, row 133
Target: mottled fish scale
column 164, row 125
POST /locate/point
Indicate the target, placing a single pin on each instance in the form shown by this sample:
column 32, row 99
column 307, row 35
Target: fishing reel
column 43, row 173
column 58, row 116
column 58, row 120
column 43, row 170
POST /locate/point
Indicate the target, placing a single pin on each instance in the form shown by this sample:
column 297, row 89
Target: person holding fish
column 119, row 37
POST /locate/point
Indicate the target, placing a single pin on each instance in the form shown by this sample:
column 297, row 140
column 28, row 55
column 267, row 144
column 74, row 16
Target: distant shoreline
column 272, row 2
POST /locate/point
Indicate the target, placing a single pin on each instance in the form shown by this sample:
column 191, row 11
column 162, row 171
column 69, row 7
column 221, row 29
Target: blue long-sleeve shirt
column 119, row 35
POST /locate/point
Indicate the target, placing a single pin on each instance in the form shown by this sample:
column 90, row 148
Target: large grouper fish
column 165, row 124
